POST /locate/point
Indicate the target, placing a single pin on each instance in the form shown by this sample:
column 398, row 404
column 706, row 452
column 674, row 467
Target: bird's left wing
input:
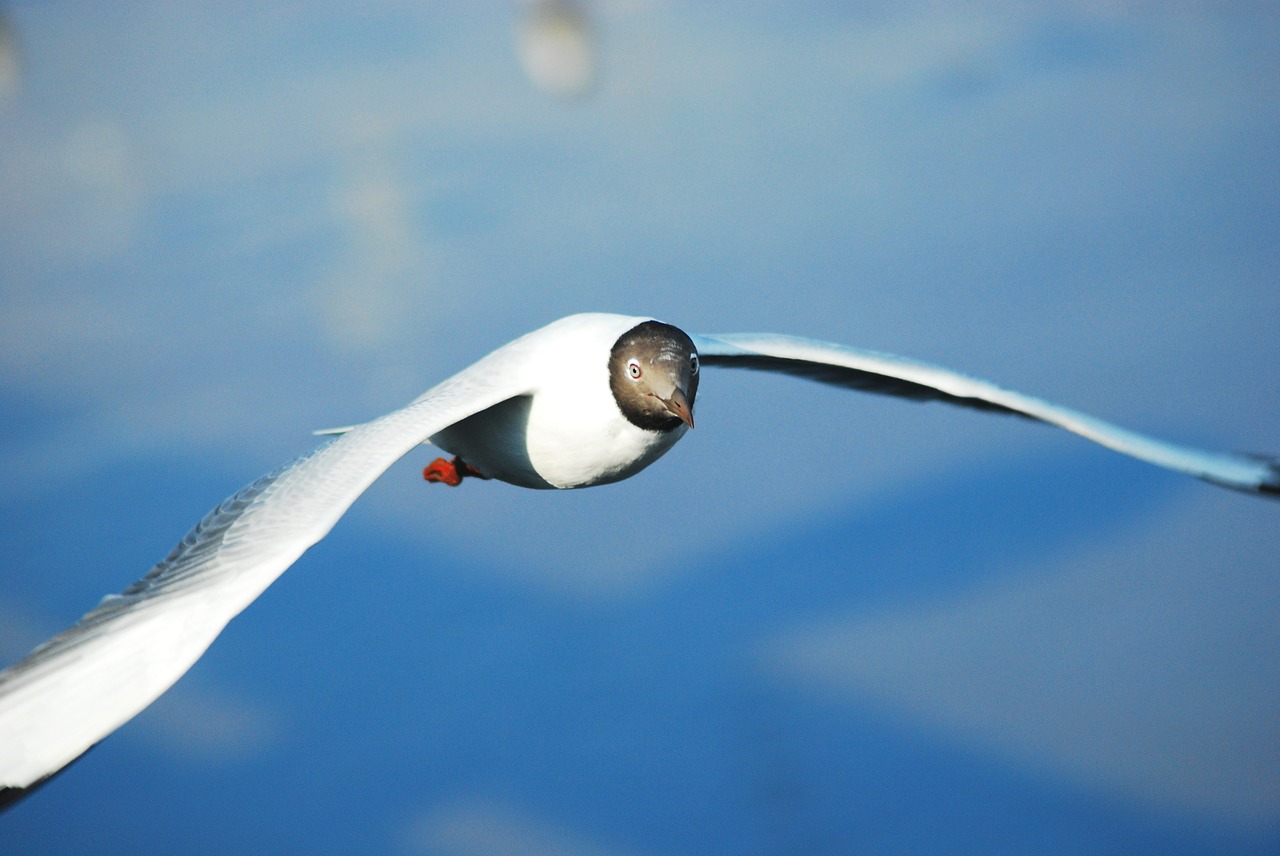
column 82, row 684
column 886, row 374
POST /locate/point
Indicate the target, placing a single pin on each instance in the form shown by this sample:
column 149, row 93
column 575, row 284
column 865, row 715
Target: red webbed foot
column 450, row 472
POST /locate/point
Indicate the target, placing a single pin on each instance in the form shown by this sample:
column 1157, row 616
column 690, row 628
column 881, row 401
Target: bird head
column 653, row 372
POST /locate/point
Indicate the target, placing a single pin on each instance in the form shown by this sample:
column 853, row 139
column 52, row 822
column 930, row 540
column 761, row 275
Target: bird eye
column 693, row 364
column 633, row 369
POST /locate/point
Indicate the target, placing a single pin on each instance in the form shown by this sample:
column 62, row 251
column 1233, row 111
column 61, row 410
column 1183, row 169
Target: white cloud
column 75, row 192
column 201, row 725
column 485, row 827
column 1143, row 665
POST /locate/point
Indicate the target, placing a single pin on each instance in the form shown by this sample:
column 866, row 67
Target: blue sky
column 825, row 622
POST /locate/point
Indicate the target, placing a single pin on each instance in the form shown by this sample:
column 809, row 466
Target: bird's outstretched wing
column 870, row 371
column 82, row 684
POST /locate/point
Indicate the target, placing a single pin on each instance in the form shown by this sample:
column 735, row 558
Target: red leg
column 450, row 472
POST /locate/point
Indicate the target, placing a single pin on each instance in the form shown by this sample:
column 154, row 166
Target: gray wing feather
column 871, row 371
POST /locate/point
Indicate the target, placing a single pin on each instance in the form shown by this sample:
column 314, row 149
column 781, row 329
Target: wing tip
column 1264, row 482
column 11, row 795
column 1270, row 484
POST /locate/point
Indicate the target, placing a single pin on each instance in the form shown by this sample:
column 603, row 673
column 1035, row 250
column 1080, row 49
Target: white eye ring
column 693, row 364
column 633, row 369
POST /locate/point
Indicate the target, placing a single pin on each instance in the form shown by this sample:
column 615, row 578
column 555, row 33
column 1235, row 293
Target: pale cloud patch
column 485, row 827
column 1143, row 665
column 51, row 342
column 199, row 724
column 75, row 191
column 384, row 272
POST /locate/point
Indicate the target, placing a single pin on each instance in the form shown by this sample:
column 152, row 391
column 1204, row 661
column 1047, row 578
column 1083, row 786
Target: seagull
column 587, row 400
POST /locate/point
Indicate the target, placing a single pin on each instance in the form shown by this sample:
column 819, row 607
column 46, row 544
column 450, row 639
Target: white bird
column 586, row 400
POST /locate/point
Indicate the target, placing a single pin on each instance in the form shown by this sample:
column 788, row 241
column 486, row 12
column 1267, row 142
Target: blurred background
column 825, row 623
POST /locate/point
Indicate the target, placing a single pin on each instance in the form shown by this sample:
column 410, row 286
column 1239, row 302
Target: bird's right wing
column 82, row 684
column 886, row 374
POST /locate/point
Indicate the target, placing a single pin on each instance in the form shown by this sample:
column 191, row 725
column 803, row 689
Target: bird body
column 566, row 429
column 586, row 400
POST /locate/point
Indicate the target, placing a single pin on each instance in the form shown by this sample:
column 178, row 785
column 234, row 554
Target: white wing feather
column 883, row 373
column 82, row 684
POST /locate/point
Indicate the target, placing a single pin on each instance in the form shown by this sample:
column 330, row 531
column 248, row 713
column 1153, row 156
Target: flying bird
column 587, row 400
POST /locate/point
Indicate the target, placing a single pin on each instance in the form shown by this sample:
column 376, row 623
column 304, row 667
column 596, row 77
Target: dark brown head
column 653, row 372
